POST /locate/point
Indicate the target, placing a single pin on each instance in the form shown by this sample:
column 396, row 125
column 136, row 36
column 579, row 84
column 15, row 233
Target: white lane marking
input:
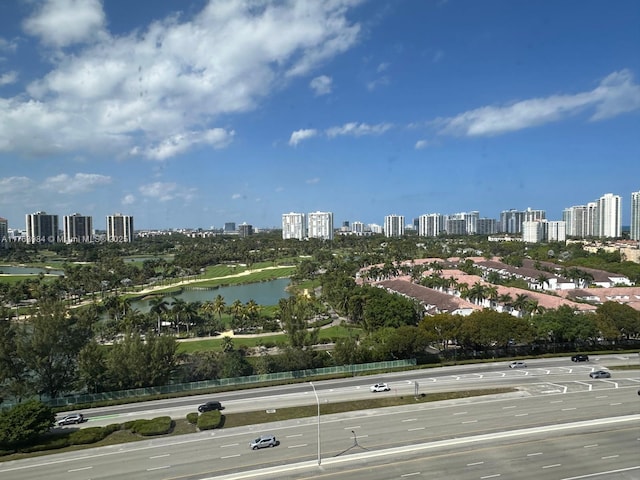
column 160, row 456
column 298, row 446
column 230, row 456
column 410, row 420
column 158, row 468
column 474, row 464
column 415, row 429
column 534, row 454
column 79, row 469
column 552, row 466
column 610, row 456
column 410, row 474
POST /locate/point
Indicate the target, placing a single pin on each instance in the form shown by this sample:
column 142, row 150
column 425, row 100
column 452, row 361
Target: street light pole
column 318, row 403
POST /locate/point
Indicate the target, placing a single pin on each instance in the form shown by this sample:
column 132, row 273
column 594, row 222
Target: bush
column 53, row 443
column 88, row 435
column 192, row 418
column 156, row 426
column 209, row 420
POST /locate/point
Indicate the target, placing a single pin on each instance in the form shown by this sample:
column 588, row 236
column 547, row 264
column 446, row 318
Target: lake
column 11, row 270
column 263, row 293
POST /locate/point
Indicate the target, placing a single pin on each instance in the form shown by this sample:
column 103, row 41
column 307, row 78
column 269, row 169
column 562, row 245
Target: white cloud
column 382, row 67
column 8, row 45
column 321, row 85
column 64, row 22
column 182, row 142
column 313, row 181
column 73, row 184
column 8, row 78
column 615, row 95
column 138, row 93
column 420, row 144
column 128, row 199
column 300, row 135
column 165, row 191
column 236, row 196
column 378, row 82
column 14, row 185
column 358, row 129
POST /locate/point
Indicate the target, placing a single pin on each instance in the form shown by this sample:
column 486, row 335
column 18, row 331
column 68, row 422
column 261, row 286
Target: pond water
column 11, row 270
column 263, row 293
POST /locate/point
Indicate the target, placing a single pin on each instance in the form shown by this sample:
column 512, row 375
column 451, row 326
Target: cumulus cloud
column 64, row 22
column 182, row 142
column 14, row 185
column 165, row 191
column 420, row 144
column 138, row 93
column 300, row 135
column 615, row 95
column 8, row 78
column 74, row 184
column 321, row 85
column 313, row 181
column 358, row 129
column 8, row 45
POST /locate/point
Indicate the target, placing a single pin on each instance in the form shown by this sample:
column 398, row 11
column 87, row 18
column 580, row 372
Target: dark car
column 580, row 358
column 207, row 407
column 72, row 419
column 600, row 374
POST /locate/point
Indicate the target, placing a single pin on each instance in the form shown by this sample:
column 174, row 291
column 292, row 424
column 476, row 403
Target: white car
column 517, row 365
column 380, row 387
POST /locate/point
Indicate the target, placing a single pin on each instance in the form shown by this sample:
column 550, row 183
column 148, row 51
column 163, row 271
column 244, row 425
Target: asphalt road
column 561, row 425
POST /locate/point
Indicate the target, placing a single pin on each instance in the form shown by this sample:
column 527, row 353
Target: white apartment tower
column 294, row 225
column 320, row 225
column 119, row 228
column 394, row 225
column 635, row 216
column 431, row 225
column 609, row 215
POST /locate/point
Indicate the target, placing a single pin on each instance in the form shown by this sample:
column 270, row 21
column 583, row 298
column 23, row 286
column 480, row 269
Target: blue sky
column 190, row 114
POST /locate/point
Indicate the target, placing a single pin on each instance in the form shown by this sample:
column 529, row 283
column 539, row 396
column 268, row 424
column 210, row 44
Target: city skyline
column 195, row 114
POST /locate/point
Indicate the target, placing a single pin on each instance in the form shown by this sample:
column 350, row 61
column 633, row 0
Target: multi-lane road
column 559, row 425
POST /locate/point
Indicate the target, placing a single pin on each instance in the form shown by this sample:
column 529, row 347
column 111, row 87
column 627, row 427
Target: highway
column 560, row 424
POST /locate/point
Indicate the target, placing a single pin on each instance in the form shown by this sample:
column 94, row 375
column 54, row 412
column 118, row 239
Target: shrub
column 156, row 426
column 192, row 418
column 209, row 420
column 88, row 435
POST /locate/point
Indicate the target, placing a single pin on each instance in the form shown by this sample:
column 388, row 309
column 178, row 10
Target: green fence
column 224, row 382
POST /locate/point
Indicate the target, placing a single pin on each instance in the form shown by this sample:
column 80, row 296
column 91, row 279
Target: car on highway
column 580, row 357
column 600, row 374
column 209, row 406
column 518, row 364
column 71, row 419
column 264, row 441
column 380, row 387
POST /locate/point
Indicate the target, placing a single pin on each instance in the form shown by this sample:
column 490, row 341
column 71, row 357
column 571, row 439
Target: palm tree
column 477, row 293
column 159, row 307
column 219, row 306
column 542, row 280
column 520, row 303
column 491, row 292
column 506, row 300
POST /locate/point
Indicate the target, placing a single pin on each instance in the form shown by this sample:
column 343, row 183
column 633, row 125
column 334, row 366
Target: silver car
column 264, row 441
column 600, row 374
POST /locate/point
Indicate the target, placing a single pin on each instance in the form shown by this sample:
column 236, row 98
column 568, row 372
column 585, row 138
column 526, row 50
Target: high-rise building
column 119, row 228
column 320, row 225
column 609, row 216
column 511, row 220
column 487, row 226
column 77, row 228
column 42, row 228
column 229, row 227
column 357, row 228
column 431, row 225
column 294, row 225
column 635, row 216
column 533, row 231
column 244, row 230
column 4, row 232
column 394, row 225
column 556, row 231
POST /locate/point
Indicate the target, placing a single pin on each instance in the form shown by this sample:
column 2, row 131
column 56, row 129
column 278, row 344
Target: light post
column 318, row 403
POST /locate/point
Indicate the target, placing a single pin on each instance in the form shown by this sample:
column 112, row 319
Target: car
column 264, row 441
column 380, row 387
column 209, row 406
column 580, row 357
column 518, row 364
column 71, row 419
column 600, row 374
